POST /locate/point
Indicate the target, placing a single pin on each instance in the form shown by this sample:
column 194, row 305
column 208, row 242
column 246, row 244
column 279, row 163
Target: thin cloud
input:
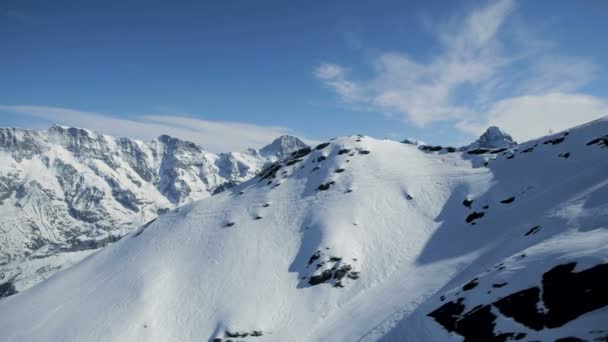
column 485, row 63
column 215, row 136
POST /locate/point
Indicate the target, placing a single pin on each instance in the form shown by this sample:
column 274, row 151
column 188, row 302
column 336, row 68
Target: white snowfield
column 359, row 240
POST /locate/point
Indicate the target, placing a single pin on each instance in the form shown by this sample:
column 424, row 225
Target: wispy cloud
column 486, row 64
column 215, row 136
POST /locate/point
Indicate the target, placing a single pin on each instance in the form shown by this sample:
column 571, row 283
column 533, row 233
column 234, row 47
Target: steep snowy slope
column 356, row 239
column 65, row 192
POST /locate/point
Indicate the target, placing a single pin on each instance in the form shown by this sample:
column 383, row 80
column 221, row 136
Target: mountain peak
column 493, row 137
column 283, row 146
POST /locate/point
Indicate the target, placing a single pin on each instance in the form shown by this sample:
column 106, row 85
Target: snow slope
column 356, row 240
column 67, row 191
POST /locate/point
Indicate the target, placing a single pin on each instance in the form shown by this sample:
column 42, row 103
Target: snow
column 393, row 220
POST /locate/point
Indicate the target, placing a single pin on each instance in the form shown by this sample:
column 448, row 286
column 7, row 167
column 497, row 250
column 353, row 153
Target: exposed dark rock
column 467, row 202
column 364, row 152
column 300, row 153
column 474, row 216
column 266, row 205
column 343, row 151
column 528, row 150
column 569, row 339
column 555, row 141
column 292, row 161
column 322, row 146
column 451, row 149
column 568, row 294
column 7, row 289
column 499, row 285
column 498, row 150
column 339, row 170
column 522, row 307
column 602, row 141
column 532, row 230
column 448, row 314
column 511, row 156
column 470, row 285
column 230, row 224
column 321, row 278
column 325, row 186
column 321, row 158
column 314, row 257
column 564, row 155
column 144, row 227
column 508, row 200
column 478, row 151
column 428, row 148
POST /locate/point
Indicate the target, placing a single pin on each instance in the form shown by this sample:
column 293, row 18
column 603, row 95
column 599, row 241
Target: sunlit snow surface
column 360, row 245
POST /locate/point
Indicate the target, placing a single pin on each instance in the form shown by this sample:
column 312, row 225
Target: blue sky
column 231, row 74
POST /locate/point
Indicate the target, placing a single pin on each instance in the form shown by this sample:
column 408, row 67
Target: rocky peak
column 493, row 137
column 283, row 146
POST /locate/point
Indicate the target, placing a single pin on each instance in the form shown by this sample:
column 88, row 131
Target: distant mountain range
column 66, row 192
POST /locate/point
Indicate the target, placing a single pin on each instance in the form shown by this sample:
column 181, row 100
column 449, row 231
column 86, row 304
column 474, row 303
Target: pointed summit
column 493, row 137
column 283, row 146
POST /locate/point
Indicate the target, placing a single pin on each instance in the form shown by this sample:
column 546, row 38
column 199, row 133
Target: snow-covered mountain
column 357, row 240
column 66, row 192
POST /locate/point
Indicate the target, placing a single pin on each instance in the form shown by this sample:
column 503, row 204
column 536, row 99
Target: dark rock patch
column 498, row 285
column 602, row 141
column 229, row 224
column 564, row 155
column 522, row 307
column 568, row 294
column 498, row 150
column 300, row 153
column 569, row 339
column 7, row 289
column 144, row 227
column 292, row 161
column 471, row 285
column 321, row 158
column 364, row 152
column 322, row 146
column 478, row 151
column 343, row 151
column 528, row 150
column 266, row 205
column 532, row 230
column 555, row 141
column 508, row 200
column 428, row 148
column 314, row 257
column 320, row 278
column 467, row 202
column 451, row 149
column 448, row 314
column 315, row 168
column 339, row 170
column 325, row 186
column 474, row 216
column 511, row 156
column 258, row 217
column 270, row 172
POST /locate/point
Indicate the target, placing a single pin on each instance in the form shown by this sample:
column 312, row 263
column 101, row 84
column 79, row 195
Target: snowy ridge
column 65, row 192
column 357, row 240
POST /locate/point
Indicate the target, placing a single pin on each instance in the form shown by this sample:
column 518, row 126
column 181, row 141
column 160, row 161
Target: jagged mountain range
column 358, row 239
column 65, row 192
